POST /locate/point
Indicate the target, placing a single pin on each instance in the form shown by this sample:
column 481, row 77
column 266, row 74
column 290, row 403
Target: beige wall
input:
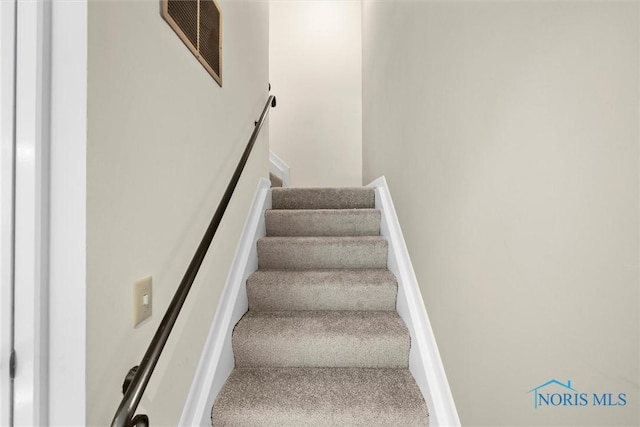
column 315, row 71
column 508, row 132
column 163, row 141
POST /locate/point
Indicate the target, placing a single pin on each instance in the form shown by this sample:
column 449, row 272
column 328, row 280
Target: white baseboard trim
column 217, row 361
column 424, row 358
column 278, row 167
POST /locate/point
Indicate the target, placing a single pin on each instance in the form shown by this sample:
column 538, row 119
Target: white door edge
column 31, row 262
column 7, row 153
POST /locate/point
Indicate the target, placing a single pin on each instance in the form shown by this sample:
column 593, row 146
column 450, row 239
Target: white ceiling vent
column 198, row 23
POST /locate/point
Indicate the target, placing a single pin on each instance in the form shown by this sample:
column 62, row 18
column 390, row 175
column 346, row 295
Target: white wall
column 163, row 141
column 508, row 132
column 315, row 72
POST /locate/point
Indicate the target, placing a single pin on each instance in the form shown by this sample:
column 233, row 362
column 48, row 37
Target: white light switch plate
column 142, row 300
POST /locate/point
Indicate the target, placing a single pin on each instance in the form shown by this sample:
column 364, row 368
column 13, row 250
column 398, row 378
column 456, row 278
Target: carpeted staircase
column 321, row 344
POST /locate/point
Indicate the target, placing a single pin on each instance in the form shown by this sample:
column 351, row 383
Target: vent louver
column 210, row 34
column 198, row 23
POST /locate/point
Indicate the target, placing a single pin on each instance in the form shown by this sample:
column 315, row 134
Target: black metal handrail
column 134, row 390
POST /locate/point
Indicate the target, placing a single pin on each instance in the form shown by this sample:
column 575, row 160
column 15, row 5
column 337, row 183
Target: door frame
column 7, row 163
column 31, row 212
column 43, row 142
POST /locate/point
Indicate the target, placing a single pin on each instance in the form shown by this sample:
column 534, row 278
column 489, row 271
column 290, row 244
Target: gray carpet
column 324, row 198
column 276, row 181
column 321, row 344
column 303, row 253
column 344, row 289
column 362, row 339
column 323, row 222
column 320, row 397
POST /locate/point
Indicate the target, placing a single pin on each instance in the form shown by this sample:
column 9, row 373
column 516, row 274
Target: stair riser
column 330, row 222
column 333, row 352
column 323, row 198
column 308, row 253
column 285, row 417
column 283, row 297
column 321, row 339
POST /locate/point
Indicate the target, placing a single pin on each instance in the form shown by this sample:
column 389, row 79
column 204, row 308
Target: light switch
column 142, row 300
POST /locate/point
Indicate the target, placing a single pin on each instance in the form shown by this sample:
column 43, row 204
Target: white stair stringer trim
column 217, row 359
column 278, row 167
column 424, row 358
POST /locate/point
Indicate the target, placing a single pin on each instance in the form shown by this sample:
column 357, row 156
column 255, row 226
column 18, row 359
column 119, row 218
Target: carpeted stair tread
column 323, row 222
column 364, row 289
column 363, row 339
column 303, row 253
column 320, row 397
column 323, row 198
